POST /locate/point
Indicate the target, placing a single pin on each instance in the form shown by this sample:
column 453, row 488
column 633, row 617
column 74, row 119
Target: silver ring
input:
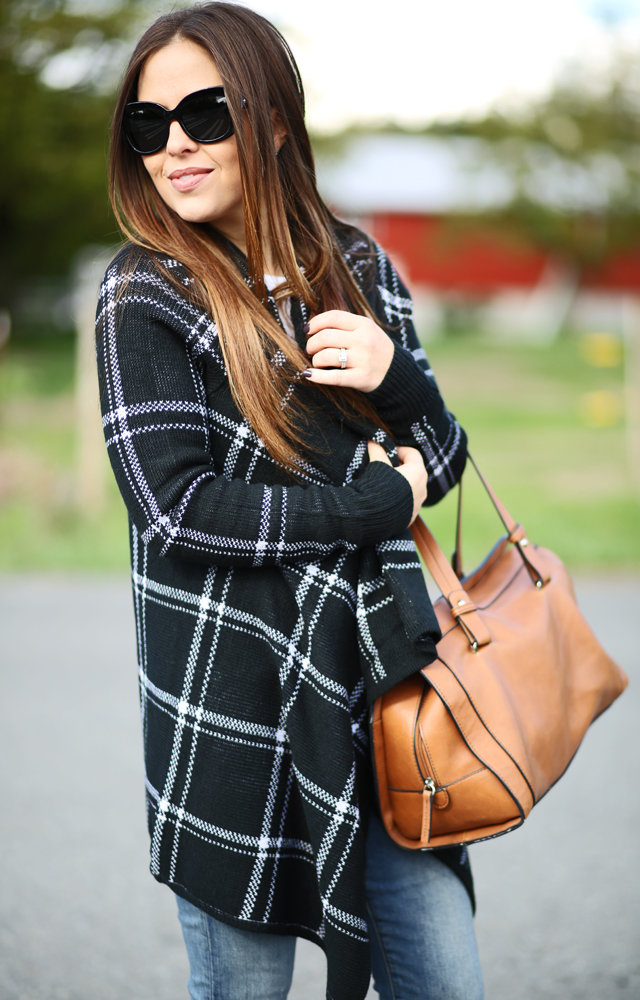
column 342, row 357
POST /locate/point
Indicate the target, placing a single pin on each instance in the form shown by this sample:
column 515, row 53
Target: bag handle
column 447, row 576
column 456, row 558
column 462, row 607
column 515, row 532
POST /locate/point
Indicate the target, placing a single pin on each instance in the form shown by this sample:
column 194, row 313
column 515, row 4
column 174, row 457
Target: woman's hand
column 411, row 467
column 369, row 350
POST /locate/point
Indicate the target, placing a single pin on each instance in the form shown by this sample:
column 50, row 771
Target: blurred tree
column 574, row 158
column 58, row 64
column 574, row 162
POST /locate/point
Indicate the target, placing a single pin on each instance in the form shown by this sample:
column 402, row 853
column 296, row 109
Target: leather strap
column 447, row 576
column 456, row 558
column 447, row 581
column 515, row 531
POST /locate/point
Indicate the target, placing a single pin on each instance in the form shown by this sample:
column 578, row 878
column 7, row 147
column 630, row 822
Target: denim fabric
column 423, row 944
column 229, row 963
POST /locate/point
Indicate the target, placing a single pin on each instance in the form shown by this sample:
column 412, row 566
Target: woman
column 258, row 367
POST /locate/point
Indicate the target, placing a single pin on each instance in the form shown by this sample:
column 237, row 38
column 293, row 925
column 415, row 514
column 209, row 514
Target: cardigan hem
column 259, row 926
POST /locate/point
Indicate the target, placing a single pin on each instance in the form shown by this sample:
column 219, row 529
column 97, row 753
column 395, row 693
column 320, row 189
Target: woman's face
column 199, row 181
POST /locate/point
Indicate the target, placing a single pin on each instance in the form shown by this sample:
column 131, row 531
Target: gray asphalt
column 82, row 919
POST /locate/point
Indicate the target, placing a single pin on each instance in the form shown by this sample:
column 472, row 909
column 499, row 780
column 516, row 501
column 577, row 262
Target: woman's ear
column 279, row 131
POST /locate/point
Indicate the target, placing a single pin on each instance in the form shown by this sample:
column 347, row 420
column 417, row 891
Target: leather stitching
column 469, row 744
column 493, row 737
column 465, row 776
column 418, row 791
column 483, row 607
column 434, row 773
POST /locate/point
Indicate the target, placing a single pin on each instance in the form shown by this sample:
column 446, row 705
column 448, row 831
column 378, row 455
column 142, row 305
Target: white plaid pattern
column 267, row 613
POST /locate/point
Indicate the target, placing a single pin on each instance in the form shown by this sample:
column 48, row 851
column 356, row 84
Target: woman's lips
column 188, row 178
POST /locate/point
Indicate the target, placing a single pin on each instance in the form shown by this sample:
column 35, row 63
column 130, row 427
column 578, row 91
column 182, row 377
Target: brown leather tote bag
column 463, row 750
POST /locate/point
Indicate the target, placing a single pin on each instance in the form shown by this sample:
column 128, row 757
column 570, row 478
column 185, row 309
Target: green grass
column 36, row 537
column 566, row 482
column 40, row 524
column 38, row 365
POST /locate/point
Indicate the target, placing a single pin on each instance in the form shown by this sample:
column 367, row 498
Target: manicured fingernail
column 305, row 329
column 307, row 373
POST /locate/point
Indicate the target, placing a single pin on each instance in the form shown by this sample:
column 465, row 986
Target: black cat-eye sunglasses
column 203, row 116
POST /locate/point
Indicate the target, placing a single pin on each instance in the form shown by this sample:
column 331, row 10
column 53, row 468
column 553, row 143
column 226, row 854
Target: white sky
column 415, row 60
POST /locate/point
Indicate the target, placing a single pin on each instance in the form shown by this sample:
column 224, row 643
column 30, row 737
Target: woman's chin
column 192, row 212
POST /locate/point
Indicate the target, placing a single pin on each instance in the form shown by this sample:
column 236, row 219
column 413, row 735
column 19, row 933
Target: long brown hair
column 255, row 62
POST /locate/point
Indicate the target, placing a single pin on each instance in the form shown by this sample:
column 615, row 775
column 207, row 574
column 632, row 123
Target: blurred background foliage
column 574, row 158
column 54, row 139
column 563, row 474
column 59, row 65
column 571, row 161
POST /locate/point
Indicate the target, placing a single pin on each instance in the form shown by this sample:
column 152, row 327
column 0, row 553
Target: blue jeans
column 423, row 945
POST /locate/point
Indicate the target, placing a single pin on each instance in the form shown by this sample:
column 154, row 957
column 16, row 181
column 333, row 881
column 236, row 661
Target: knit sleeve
column 158, row 438
column 408, row 399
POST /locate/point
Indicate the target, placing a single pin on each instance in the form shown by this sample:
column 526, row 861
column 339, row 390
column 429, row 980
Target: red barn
column 407, row 190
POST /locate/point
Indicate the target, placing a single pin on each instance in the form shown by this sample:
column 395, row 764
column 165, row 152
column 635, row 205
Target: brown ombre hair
column 255, row 62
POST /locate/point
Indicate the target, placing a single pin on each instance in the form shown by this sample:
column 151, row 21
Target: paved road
column 81, row 918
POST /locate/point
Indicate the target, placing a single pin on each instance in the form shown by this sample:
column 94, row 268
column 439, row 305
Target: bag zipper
column 428, row 793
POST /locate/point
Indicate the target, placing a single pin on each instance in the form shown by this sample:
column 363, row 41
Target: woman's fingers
column 334, row 376
column 406, row 454
column 377, row 453
column 412, row 468
column 329, row 358
column 369, row 350
column 351, row 377
column 337, row 319
column 331, row 340
column 324, row 348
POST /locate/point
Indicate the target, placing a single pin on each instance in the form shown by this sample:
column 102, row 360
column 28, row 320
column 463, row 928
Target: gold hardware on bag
column 501, row 728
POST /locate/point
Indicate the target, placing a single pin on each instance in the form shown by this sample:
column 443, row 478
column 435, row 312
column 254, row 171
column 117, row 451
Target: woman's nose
column 179, row 142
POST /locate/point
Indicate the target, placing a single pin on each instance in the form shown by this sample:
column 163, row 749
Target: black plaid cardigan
column 269, row 614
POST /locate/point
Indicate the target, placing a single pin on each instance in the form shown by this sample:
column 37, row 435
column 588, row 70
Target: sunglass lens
column 206, row 119
column 147, row 129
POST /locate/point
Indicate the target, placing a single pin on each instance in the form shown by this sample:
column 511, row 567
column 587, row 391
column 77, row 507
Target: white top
column 284, row 305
